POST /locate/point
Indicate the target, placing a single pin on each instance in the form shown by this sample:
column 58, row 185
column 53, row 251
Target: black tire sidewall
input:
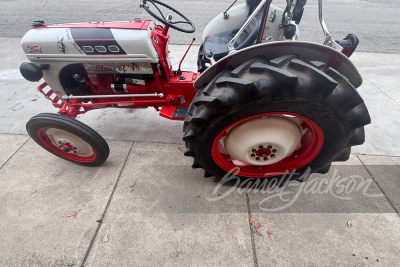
column 39, row 122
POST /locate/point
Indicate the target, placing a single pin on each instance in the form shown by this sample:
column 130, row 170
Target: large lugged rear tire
column 68, row 138
column 266, row 118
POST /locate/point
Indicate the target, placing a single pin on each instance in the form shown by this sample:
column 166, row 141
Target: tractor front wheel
column 68, row 138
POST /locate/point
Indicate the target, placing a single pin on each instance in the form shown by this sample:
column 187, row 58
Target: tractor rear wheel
column 266, row 118
column 68, row 138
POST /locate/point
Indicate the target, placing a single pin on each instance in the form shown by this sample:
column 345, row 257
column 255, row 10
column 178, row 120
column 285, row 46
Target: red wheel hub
column 312, row 141
column 68, row 147
column 263, row 152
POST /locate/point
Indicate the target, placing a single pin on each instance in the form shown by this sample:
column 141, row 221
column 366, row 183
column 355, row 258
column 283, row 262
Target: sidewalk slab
column 38, row 191
column 382, row 70
column 20, row 101
column 323, row 239
column 9, row 144
column 384, row 129
column 346, row 188
column 12, row 54
column 314, row 230
column 386, row 172
column 381, row 93
column 167, row 220
column 137, row 125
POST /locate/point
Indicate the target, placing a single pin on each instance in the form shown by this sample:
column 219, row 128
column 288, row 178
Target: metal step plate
column 180, row 113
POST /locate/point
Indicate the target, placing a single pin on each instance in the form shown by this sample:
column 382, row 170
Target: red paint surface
column 160, row 43
column 168, row 112
column 348, row 51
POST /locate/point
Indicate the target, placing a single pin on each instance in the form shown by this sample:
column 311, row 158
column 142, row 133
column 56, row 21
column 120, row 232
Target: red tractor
column 262, row 103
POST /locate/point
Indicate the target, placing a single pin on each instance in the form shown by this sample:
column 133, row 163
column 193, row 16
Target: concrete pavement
column 175, row 217
column 170, row 219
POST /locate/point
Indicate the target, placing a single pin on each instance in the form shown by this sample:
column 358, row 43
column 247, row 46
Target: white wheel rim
column 60, row 137
column 264, row 140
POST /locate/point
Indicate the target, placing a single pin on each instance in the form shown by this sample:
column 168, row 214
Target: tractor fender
column 307, row 52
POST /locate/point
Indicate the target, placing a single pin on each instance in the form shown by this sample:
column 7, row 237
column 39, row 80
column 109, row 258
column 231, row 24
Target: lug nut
column 257, row 158
column 260, row 147
column 269, row 147
column 75, row 148
column 65, row 150
column 253, row 155
column 254, row 151
column 272, row 156
column 265, row 159
column 274, row 151
column 59, row 142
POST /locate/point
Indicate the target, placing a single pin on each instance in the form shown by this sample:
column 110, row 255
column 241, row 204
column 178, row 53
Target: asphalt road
column 373, row 21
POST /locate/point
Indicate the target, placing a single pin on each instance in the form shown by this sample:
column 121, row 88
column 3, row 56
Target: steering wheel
column 171, row 24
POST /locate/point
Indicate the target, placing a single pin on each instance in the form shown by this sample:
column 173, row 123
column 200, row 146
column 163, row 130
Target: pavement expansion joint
column 381, row 91
column 253, row 246
column 106, row 208
column 380, row 188
column 14, row 154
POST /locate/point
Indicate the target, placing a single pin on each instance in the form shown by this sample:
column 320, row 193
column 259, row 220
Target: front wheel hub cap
column 69, row 143
column 264, row 140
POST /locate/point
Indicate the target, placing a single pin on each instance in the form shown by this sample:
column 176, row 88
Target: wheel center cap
column 264, row 153
column 263, row 140
column 67, row 146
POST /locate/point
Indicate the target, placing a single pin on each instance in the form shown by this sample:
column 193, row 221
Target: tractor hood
column 111, row 41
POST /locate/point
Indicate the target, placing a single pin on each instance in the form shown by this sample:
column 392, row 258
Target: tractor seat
column 217, row 43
